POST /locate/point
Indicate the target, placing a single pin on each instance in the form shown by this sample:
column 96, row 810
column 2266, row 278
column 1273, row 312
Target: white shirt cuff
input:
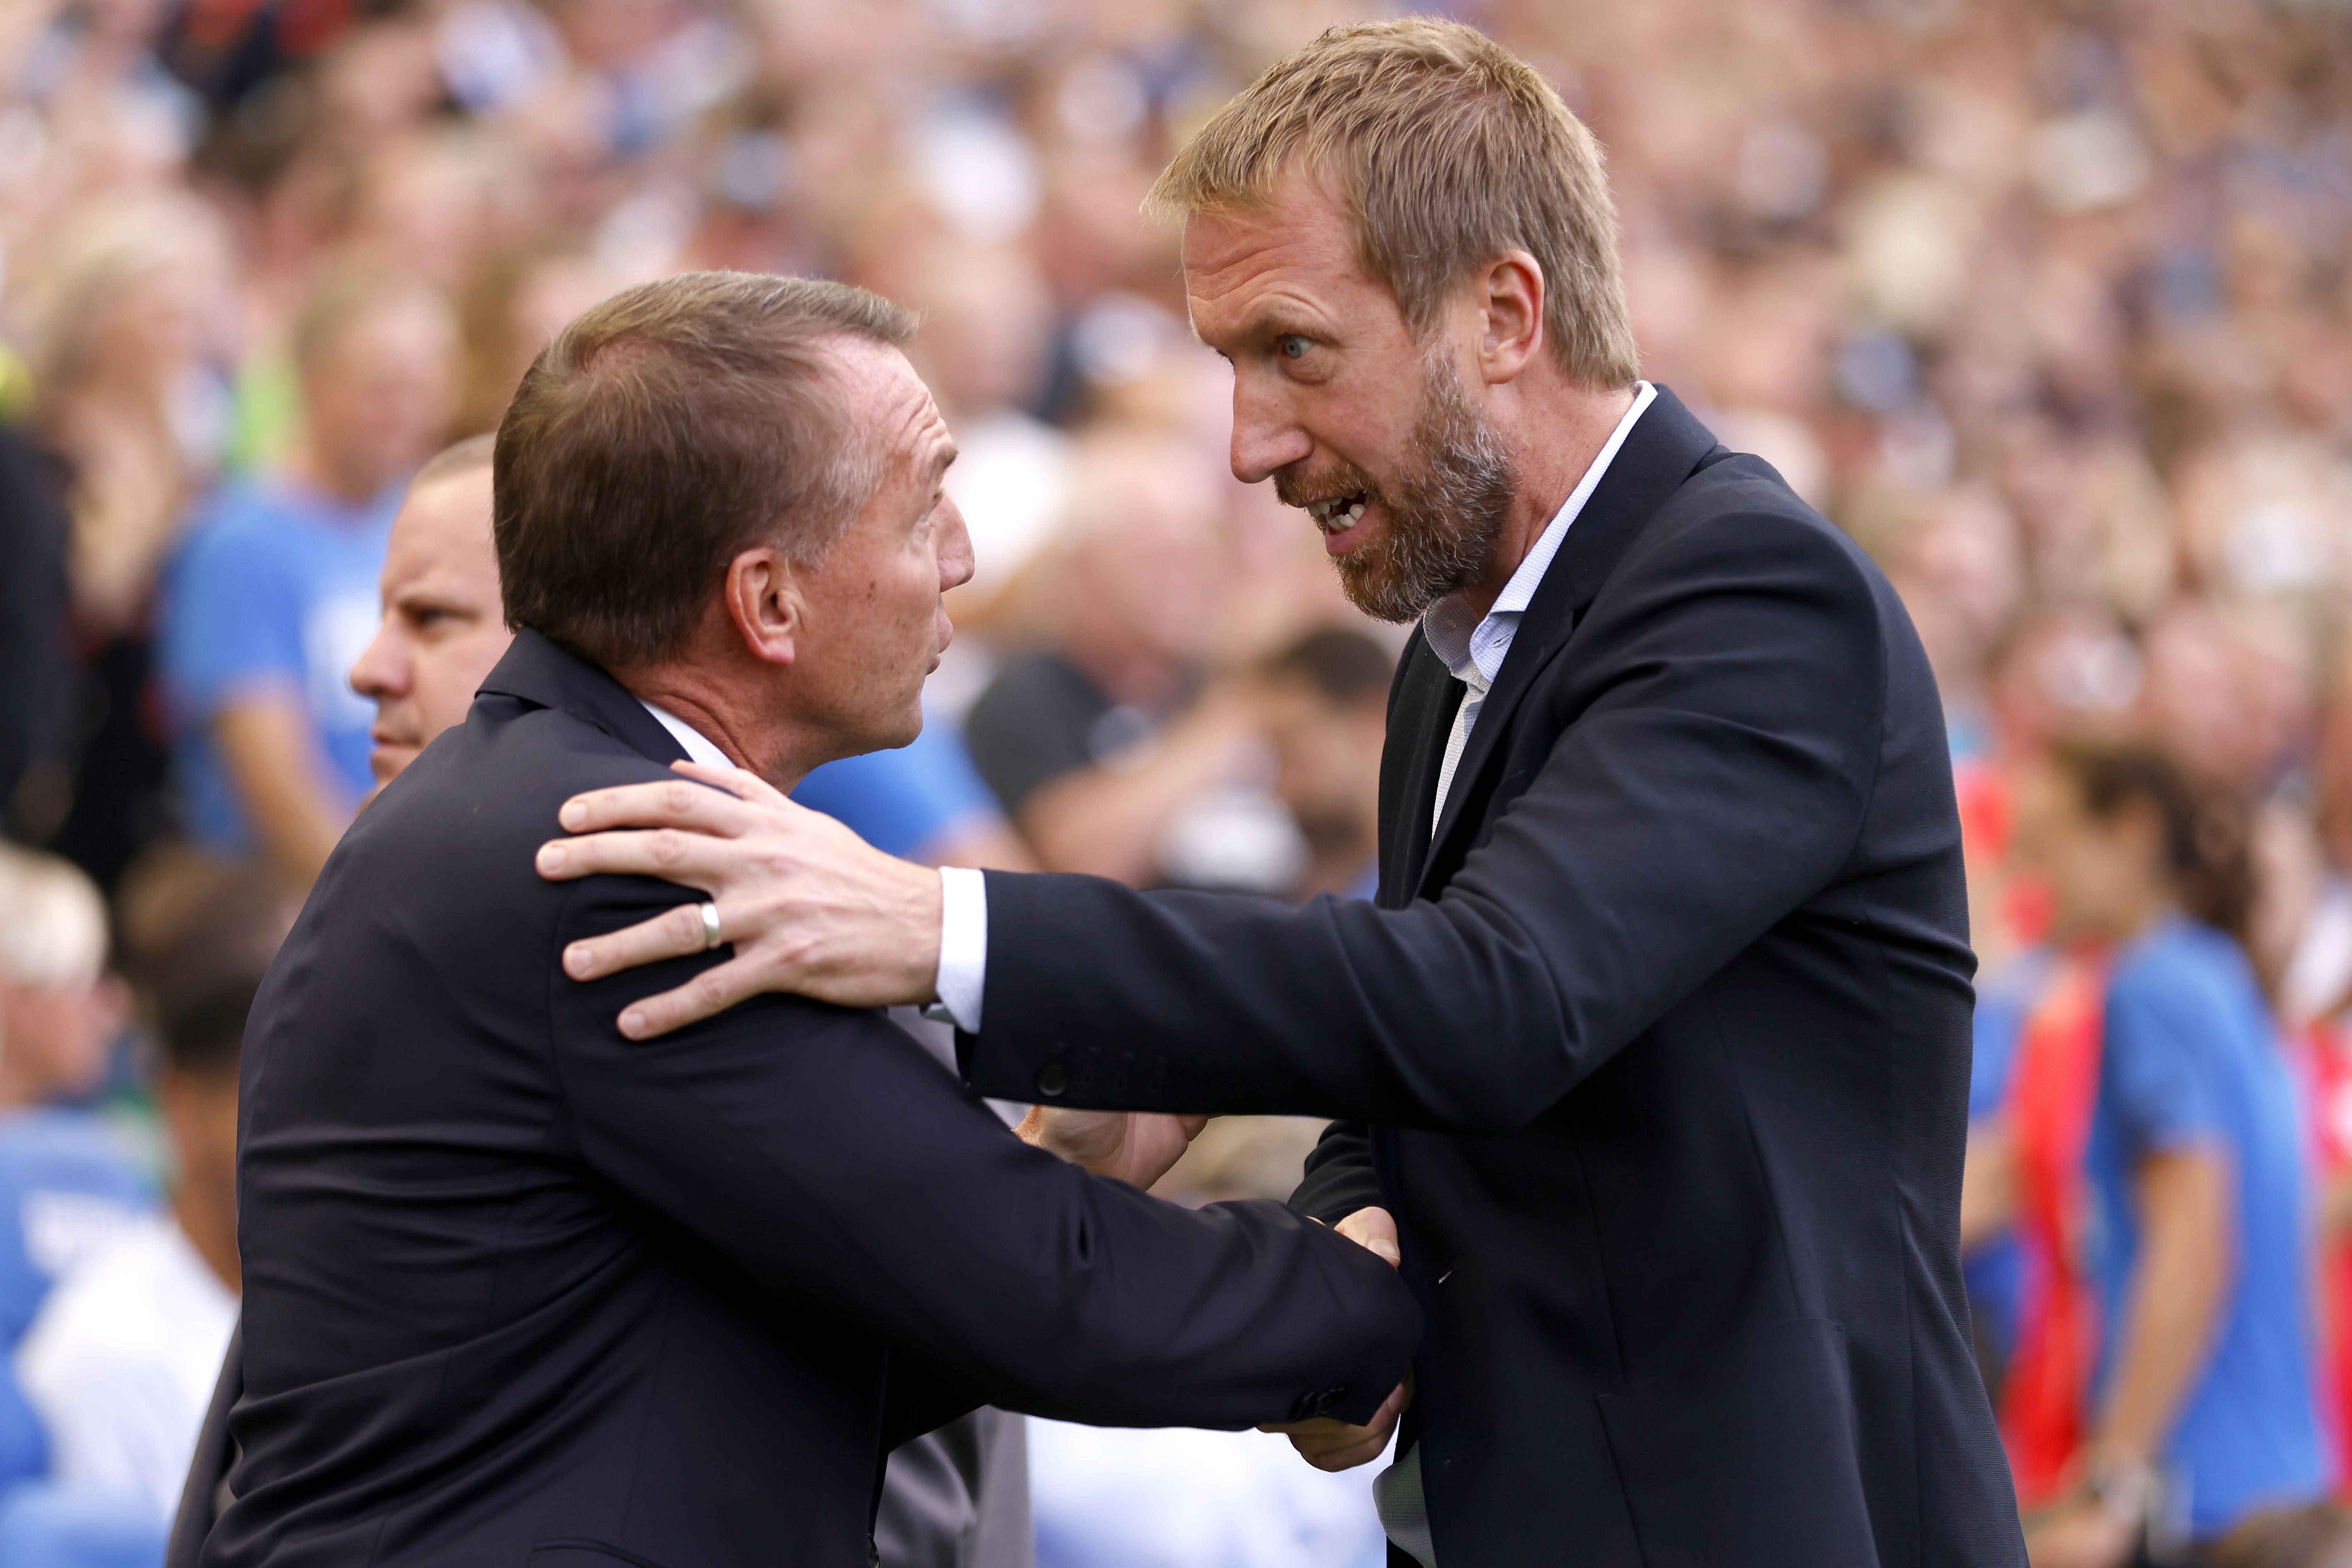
column 963, row 947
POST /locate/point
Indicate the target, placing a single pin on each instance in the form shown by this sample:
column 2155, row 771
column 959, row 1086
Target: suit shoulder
column 501, row 775
column 1741, row 504
column 1735, row 527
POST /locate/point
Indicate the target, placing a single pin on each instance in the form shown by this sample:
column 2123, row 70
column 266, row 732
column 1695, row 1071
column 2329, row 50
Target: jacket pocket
column 1746, row 1455
column 584, row 1555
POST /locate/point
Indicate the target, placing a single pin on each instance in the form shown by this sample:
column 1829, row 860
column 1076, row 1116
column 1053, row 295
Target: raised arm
column 1714, row 777
column 834, row 1161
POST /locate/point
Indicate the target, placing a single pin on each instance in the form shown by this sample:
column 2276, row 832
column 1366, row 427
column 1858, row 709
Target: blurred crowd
column 2048, row 304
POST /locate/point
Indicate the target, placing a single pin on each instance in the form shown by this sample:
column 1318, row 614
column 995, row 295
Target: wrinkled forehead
column 1300, row 242
column 885, row 402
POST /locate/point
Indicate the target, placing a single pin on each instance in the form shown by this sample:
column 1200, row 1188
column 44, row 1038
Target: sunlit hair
column 52, row 921
column 665, row 430
column 1449, row 151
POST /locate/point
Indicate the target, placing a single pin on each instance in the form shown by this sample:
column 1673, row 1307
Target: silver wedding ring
column 710, row 927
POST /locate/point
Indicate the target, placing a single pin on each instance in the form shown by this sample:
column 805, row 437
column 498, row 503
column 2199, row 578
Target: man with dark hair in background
column 520, row 1289
column 1097, row 745
column 1325, row 712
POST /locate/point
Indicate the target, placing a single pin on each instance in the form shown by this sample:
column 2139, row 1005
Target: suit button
column 1052, row 1080
column 1322, row 1402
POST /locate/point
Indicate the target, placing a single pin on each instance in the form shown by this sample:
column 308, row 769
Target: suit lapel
column 1419, row 720
column 1666, row 445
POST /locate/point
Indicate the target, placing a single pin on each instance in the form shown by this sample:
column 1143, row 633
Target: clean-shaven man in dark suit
column 954, row 1498
column 520, row 1291
column 1655, row 1052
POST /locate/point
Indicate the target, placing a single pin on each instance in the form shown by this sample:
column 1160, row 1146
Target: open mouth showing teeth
column 1335, row 514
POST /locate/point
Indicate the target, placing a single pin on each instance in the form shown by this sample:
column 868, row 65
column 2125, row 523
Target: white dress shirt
column 698, row 747
column 1474, row 655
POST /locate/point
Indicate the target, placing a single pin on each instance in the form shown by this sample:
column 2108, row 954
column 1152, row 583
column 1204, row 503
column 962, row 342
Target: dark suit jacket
column 1659, row 1051
column 518, row 1291
column 954, row 1498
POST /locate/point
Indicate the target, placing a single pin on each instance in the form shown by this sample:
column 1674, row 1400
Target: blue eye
column 1293, row 346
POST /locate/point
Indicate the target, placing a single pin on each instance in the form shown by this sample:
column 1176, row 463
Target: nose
column 957, row 562
column 1266, row 436
column 380, row 672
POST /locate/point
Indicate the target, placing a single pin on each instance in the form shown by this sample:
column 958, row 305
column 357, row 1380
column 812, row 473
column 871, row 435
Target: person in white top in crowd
column 122, row 1360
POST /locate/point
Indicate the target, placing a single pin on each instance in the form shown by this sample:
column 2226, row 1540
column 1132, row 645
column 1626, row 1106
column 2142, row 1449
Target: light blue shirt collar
column 1475, row 653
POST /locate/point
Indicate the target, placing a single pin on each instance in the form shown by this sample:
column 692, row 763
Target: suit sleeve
column 1339, row 1178
column 1714, row 781
column 837, row 1163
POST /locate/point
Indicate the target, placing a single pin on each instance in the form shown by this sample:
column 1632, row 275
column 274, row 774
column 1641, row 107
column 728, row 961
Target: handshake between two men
column 524, row 1286
column 800, row 932
column 586, row 1222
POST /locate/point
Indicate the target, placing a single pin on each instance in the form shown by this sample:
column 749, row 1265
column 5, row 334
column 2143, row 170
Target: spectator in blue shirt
column 70, row 1183
column 1990, row 1260
column 275, row 594
column 922, row 802
column 2197, row 1240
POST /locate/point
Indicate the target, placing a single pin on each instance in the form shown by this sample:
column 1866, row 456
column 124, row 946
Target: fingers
column 1373, row 1229
column 1329, row 1444
column 673, row 934
column 692, row 858
column 1087, row 1138
column 671, row 803
column 1347, row 1457
column 714, row 990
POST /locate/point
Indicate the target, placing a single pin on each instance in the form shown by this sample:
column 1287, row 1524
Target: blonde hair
column 1449, row 151
column 88, row 265
column 52, row 921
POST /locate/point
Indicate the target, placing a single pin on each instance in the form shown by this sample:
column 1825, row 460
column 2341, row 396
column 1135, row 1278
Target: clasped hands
column 1140, row 1147
column 811, row 907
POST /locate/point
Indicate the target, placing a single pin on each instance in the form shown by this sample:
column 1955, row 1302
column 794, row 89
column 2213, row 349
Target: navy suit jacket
column 520, row 1291
column 1657, row 1046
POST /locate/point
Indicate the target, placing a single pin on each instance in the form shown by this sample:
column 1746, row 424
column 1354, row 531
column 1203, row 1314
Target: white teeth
column 1335, row 515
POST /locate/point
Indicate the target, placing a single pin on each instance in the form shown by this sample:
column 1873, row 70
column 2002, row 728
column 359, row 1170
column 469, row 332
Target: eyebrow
column 1277, row 319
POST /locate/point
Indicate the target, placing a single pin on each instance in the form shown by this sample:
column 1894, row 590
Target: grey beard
column 1446, row 516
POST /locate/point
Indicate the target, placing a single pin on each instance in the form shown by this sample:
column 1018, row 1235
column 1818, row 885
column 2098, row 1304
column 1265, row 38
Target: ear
column 1510, row 297
column 764, row 602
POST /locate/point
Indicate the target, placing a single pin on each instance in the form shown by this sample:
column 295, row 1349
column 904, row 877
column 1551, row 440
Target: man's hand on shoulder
column 1329, row 1444
column 1135, row 1146
column 808, row 905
